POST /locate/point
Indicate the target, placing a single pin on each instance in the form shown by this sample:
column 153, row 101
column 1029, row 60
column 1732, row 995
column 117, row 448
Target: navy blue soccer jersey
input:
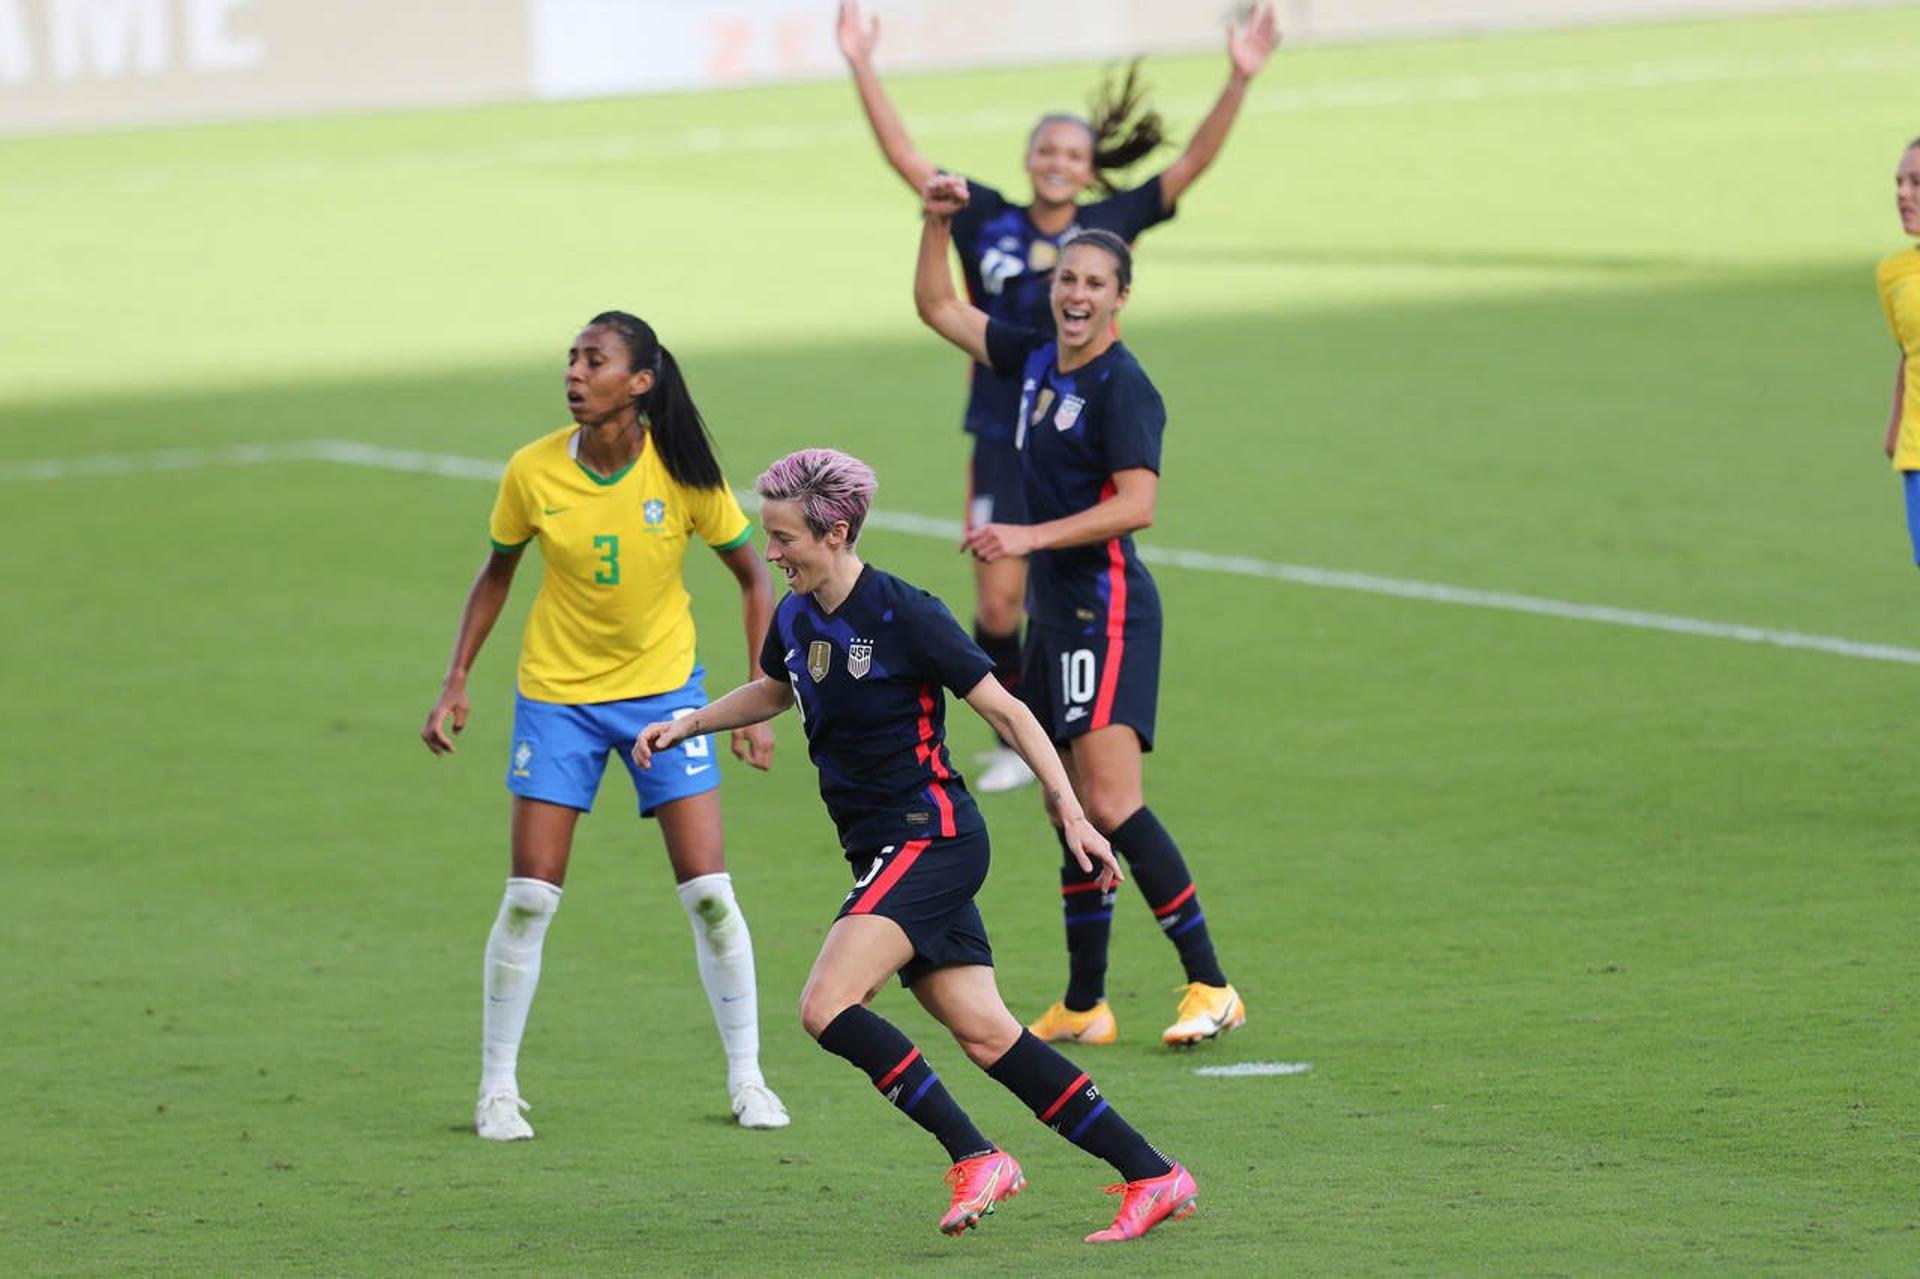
column 1008, row 264
column 868, row 679
column 1075, row 431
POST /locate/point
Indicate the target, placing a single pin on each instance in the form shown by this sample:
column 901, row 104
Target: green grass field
column 1600, row 941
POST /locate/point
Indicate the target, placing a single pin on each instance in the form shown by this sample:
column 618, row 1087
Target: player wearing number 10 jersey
column 1088, row 432
column 614, row 501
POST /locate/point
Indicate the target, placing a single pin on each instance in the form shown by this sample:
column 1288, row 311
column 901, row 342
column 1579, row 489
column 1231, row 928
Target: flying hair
column 673, row 420
column 829, row 485
column 1125, row 130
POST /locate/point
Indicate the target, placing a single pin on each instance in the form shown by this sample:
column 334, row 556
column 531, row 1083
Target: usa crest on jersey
column 1069, row 413
column 859, row 657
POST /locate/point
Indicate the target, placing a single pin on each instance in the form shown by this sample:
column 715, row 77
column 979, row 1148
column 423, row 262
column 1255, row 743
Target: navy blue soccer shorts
column 560, row 750
column 1075, row 683
column 994, row 495
column 927, row 887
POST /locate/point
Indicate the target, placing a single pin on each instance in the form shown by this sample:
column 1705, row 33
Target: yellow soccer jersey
column 612, row 619
column 1899, row 281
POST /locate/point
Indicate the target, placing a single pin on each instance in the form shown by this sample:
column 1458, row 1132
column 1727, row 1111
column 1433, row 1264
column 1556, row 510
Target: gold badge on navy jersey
column 1041, row 403
column 859, row 657
column 819, row 659
column 1042, row 255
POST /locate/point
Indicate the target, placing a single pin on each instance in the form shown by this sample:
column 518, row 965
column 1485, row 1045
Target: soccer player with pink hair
column 865, row 657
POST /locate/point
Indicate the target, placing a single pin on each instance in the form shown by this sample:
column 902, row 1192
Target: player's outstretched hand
column 754, row 744
column 944, row 195
column 990, row 542
column 660, row 735
column 1089, row 846
column 452, row 701
column 857, row 38
column 1252, row 42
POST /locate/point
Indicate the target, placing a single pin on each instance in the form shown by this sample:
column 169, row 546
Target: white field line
column 1276, row 101
column 378, row 457
column 1240, row 1069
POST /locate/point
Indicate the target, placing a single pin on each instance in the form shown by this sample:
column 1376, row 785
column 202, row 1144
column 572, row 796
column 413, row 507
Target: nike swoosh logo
column 694, row 770
column 552, row 510
column 1076, row 712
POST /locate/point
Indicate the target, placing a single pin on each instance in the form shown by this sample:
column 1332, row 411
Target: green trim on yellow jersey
column 746, row 535
column 612, row 620
column 606, row 481
column 509, row 548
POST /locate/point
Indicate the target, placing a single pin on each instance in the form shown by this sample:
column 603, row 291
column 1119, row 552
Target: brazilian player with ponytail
column 1007, row 253
column 614, row 500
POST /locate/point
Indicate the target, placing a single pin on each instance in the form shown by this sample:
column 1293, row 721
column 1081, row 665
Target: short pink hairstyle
column 829, row 485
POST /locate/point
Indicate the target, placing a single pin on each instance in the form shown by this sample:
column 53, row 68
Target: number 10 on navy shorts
column 560, row 751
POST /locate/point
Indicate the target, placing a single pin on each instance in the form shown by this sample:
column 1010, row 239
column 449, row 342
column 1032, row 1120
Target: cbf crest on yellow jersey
column 612, row 619
column 1899, row 281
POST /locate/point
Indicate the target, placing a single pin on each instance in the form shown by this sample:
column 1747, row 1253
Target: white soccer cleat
column 755, row 1106
column 1004, row 770
column 497, row 1117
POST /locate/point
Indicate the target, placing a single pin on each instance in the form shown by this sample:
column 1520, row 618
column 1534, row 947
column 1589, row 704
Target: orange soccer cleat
column 978, row 1185
column 1060, row 1023
column 1205, row 1012
column 1148, row 1203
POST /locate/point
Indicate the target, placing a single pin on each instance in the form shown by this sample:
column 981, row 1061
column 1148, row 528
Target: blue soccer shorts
column 1911, row 481
column 560, row 751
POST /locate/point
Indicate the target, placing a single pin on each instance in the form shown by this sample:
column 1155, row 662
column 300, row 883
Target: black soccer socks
column 1164, row 880
column 904, row 1078
column 1061, row 1096
column 1089, row 914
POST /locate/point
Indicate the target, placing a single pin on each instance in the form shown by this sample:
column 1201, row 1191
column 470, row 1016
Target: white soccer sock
column 724, row 949
column 512, row 974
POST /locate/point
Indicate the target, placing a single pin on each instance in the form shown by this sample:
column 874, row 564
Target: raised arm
column 1248, row 47
column 857, row 40
column 941, row 308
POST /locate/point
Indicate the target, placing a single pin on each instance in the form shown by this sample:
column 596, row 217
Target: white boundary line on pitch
column 379, row 457
column 1241, row 1069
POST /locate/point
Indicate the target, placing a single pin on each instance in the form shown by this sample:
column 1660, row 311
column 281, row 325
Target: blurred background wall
column 103, row 64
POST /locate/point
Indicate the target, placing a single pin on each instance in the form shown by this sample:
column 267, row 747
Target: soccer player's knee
column 1107, row 806
column 999, row 611
column 819, row 1007
column 710, row 904
column 529, row 904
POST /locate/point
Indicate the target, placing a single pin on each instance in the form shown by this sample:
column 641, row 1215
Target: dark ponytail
column 1125, row 129
column 679, row 432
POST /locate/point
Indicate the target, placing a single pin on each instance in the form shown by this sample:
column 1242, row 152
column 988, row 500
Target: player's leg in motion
column 542, row 838
column 1060, row 1094
column 723, row 949
column 1107, row 775
column 861, row 952
column 1083, row 1015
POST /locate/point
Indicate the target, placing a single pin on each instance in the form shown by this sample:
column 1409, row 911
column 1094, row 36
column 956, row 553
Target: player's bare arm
column 751, row 703
column 754, row 742
column 1008, row 716
column 1899, row 395
column 1129, row 510
column 485, row 599
column 1249, row 44
column 940, row 305
column 858, row 35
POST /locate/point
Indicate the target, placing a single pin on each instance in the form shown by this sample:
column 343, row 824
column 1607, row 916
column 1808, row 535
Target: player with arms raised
column 1007, row 252
column 1089, row 425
